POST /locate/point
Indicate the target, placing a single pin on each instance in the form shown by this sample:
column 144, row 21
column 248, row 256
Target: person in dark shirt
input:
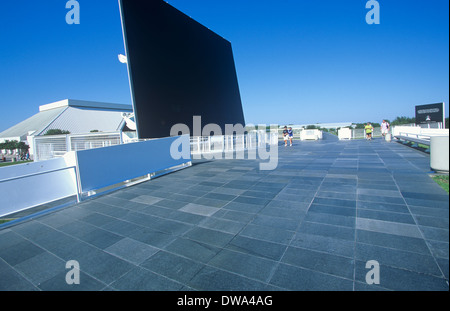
column 285, row 135
column 291, row 135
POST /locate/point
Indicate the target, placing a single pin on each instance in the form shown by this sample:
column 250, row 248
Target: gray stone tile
column 387, row 207
column 253, row 267
column 402, row 280
column 20, row 252
column 300, row 279
column 299, row 227
column 123, row 228
column 406, row 243
column 58, row 283
column 270, row 234
column 381, row 199
column 235, row 215
column 210, row 202
column 435, row 222
column 338, row 232
column 228, row 226
column 174, row 228
column 102, row 266
column 334, row 210
column 335, row 202
column 251, row 200
column 427, row 203
column 220, row 196
column 386, row 216
column 146, row 199
column 131, row 250
column 436, row 234
column 197, row 251
column 41, row 267
column 198, row 209
column 243, row 207
column 419, row 263
column 140, row 279
column 170, row 204
column 153, row 237
column 172, row 266
column 331, row 219
column 208, row 236
column 319, row 261
column 444, row 266
column 439, row 249
column 97, row 219
column 324, row 244
column 255, row 247
column 9, row 238
column 11, row 280
column 276, row 222
column 388, row 227
column 213, row 279
column 429, row 211
column 100, row 238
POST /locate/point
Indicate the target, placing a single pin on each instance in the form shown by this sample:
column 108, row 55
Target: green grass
column 12, row 163
column 423, row 146
column 442, row 181
column 5, row 220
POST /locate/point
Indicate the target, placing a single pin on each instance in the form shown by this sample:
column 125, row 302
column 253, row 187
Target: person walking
column 385, row 126
column 285, row 135
column 369, row 129
column 291, row 135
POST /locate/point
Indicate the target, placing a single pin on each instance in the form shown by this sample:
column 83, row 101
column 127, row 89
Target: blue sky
column 297, row 61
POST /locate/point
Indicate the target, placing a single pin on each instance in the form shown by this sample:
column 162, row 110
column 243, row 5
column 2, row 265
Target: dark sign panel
column 178, row 69
column 430, row 113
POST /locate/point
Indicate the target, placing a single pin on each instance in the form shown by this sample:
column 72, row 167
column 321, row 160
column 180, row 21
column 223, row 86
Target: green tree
column 403, row 120
column 56, row 132
column 14, row 145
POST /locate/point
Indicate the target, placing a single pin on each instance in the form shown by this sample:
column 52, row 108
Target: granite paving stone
column 312, row 224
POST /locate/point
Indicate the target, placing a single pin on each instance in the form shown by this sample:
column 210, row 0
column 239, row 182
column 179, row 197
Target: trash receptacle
column 388, row 137
column 439, row 153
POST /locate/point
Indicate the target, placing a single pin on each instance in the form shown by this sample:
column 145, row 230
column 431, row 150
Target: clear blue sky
column 297, row 61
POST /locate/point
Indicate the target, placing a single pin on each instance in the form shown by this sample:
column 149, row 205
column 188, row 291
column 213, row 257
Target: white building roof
column 75, row 116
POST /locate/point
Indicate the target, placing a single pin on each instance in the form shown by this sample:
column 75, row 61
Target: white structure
column 344, row 133
column 310, row 135
column 74, row 116
column 86, row 173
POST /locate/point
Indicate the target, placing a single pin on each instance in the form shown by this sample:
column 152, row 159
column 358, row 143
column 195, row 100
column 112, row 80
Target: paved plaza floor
column 314, row 223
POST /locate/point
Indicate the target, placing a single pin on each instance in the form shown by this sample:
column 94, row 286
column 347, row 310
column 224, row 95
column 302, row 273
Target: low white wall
column 344, row 133
column 415, row 130
column 104, row 167
column 310, row 135
column 28, row 185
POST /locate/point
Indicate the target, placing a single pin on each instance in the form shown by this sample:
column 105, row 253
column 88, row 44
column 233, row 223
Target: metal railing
column 49, row 147
column 231, row 143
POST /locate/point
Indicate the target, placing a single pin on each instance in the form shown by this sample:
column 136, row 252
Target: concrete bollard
column 439, row 153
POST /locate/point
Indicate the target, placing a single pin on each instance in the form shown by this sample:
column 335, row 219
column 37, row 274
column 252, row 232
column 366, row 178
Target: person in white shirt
column 385, row 128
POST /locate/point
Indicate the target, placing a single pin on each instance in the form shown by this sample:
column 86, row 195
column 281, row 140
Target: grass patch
column 442, row 181
column 5, row 220
column 13, row 163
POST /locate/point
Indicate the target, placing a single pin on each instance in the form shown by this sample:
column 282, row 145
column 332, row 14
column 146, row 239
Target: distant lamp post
column 123, row 59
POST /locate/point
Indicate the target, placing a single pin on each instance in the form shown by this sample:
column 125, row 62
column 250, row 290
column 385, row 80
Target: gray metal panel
column 83, row 120
column 35, row 123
